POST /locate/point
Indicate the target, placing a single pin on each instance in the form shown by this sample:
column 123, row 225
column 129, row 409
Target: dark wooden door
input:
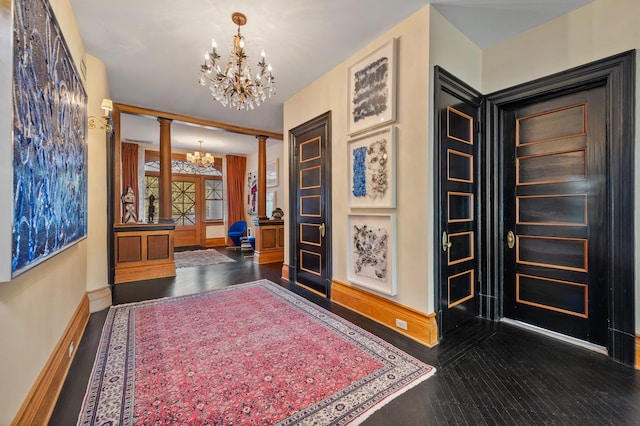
column 456, row 228
column 310, row 231
column 556, row 216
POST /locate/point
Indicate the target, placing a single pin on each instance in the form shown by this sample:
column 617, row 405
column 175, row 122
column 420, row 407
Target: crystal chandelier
column 199, row 158
column 236, row 86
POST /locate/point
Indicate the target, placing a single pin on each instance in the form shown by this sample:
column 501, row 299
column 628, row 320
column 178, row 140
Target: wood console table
column 143, row 251
column 269, row 241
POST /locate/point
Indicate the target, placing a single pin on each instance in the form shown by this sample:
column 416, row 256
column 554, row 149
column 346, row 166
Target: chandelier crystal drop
column 200, row 158
column 236, row 86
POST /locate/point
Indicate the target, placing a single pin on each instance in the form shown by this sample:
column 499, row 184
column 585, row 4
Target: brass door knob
column 446, row 244
column 511, row 239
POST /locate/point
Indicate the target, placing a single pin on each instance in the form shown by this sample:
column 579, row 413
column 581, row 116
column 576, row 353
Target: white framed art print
column 371, row 253
column 372, row 169
column 372, row 89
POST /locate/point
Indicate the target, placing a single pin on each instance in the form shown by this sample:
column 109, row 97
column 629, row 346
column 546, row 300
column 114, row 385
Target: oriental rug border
column 110, row 395
column 191, row 258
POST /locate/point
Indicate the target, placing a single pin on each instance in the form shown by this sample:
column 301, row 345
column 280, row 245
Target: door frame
column 322, row 121
column 616, row 74
column 198, row 227
column 445, row 81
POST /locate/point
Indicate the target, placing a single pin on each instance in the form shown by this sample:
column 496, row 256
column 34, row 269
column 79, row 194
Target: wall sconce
column 103, row 122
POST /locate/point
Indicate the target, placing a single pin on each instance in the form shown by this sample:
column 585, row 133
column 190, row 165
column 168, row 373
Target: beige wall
column 36, row 307
column 595, row 31
column 216, row 231
column 414, row 180
column 97, row 87
column 600, row 29
column 453, row 51
column 329, row 93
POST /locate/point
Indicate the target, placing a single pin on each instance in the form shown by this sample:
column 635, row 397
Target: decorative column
column 269, row 232
column 165, row 215
column 262, row 177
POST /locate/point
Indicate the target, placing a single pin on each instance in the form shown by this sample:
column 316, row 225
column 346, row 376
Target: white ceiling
column 488, row 22
column 153, row 49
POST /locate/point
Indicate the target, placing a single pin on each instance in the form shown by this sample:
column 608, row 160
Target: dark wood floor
column 488, row 373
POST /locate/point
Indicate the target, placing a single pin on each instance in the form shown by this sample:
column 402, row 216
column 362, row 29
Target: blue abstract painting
column 372, row 169
column 49, row 146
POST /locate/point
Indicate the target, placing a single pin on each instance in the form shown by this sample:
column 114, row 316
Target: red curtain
column 130, row 170
column 236, row 171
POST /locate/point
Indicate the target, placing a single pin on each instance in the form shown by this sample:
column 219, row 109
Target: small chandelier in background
column 236, row 86
column 200, row 159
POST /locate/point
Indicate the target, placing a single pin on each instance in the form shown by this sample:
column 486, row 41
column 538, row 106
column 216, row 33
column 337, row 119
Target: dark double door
column 531, row 222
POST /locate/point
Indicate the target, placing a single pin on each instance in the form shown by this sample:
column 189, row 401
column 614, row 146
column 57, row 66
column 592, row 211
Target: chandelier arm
column 237, row 87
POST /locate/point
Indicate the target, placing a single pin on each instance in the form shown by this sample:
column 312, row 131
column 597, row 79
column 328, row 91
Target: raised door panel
column 558, row 204
column 310, row 231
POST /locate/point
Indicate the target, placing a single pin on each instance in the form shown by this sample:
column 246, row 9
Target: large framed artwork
column 49, row 157
column 372, row 169
column 371, row 255
column 252, row 193
column 372, row 89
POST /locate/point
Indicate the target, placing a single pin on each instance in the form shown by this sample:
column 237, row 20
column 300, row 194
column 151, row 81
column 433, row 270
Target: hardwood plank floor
column 488, row 373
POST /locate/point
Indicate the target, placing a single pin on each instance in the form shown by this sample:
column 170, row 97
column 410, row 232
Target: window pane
column 151, row 188
column 184, row 203
column 213, row 189
column 213, row 199
column 186, row 168
column 214, row 209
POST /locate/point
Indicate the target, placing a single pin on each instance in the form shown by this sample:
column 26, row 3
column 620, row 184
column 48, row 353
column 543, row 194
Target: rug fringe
column 364, row 416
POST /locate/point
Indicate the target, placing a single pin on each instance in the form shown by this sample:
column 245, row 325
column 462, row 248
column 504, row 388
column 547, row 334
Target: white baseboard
column 99, row 299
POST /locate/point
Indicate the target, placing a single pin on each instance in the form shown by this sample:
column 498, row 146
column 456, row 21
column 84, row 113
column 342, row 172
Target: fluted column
column 262, row 177
column 165, row 171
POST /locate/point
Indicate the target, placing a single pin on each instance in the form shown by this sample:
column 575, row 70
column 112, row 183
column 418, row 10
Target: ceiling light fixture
column 200, row 159
column 236, row 86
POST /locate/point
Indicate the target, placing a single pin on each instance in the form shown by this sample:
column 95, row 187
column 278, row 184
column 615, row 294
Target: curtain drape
column 130, row 171
column 236, row 170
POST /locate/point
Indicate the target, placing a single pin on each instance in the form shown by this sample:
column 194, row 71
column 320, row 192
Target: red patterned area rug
column 185, row 259
column 250, row 354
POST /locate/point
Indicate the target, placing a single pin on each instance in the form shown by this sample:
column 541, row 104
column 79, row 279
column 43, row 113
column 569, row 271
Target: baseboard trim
column 99, row 299
column 638, row 351
column 421, row 327
column 314, row 291
column 268, row 256
column 285, row 271
column 146, row 272
column 41, row 400
column 216, row 242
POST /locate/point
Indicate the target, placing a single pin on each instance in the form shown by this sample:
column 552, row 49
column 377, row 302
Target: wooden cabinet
column 269, row 241
column 143, row 252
